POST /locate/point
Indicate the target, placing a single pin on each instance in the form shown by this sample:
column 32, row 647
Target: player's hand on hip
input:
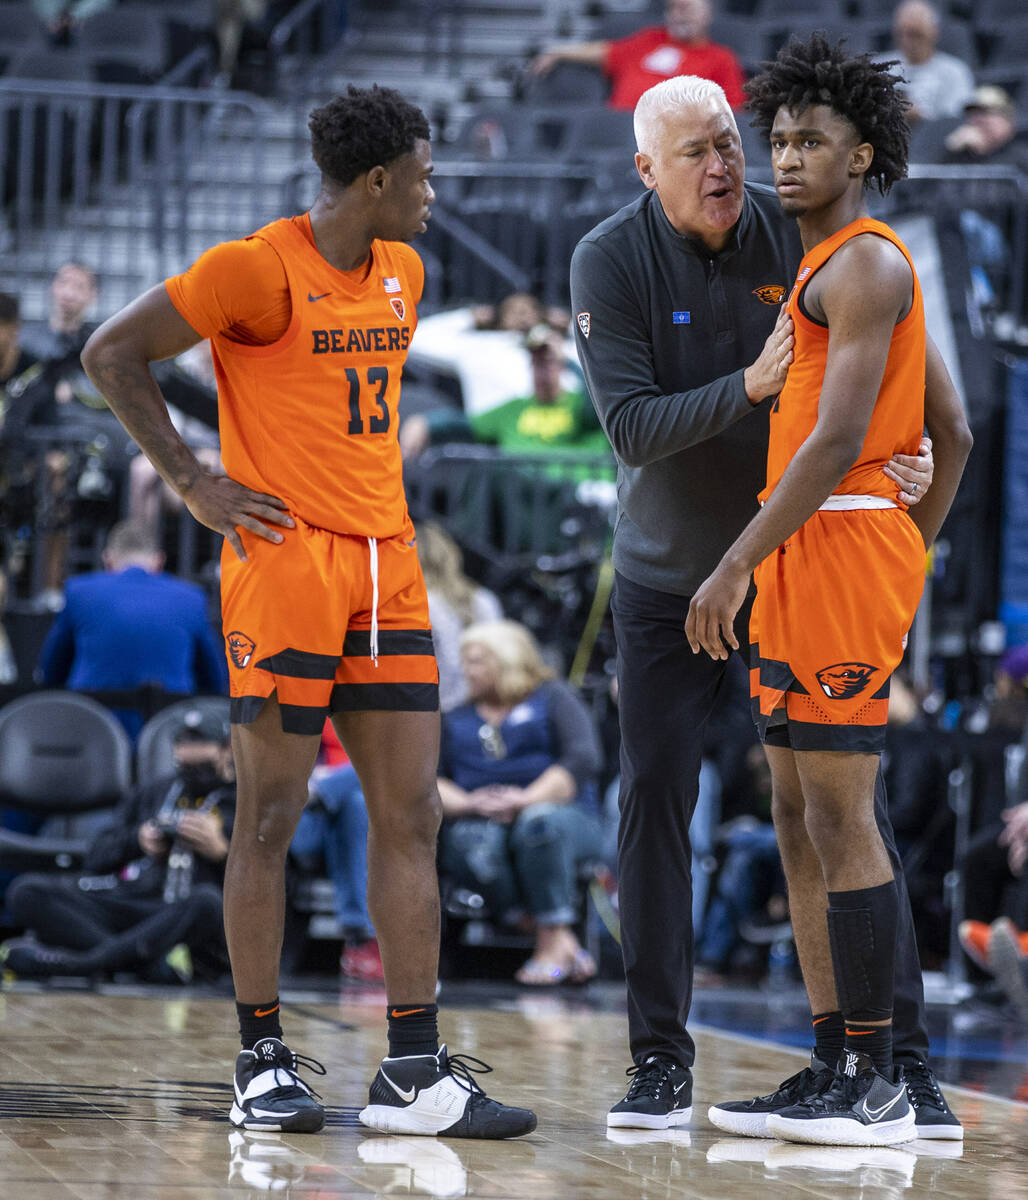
column 913, row 473
column 226, row 506
column 767, row 375
column 710, row 623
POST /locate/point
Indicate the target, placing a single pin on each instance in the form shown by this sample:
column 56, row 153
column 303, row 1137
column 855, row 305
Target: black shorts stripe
column 389, row 697
column 390, row 641
column 777, row 675
column 301, row 718
column 301, row 664
column 244, row 709
column 883, row 691
column 810, row 735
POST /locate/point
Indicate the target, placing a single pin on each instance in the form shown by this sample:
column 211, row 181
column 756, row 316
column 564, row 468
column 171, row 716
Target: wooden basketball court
column 108, row 1095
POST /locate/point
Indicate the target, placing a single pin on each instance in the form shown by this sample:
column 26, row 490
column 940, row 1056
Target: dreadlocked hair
column 368, row 127
column 806, row 73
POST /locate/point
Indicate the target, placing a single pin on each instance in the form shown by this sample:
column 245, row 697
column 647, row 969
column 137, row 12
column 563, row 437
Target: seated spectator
column 61, row 16
column 937, row 84
column 333, row 831
column 131, row 627
column 454, row 603
column 191, row 389
column 989, row 132
column 482, row 347
column 85, row 436
column 518, row 768
column 152, row 881
column 232, row 18
column 996, row 884
column 550, row 417
column 528, row 502
column 18, row 369
column 634, row 64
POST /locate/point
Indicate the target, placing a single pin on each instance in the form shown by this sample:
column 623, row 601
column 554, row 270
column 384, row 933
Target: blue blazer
column 122, row 630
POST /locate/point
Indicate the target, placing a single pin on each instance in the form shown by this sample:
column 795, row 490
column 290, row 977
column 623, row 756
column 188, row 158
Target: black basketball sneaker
column 437, row 1094
column 860, row 1108
column 270, row 1095
column 749, row 1117
column 660, row 1096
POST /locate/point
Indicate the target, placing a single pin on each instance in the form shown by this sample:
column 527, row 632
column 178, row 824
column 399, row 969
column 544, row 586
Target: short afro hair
column 811, row 72
column 368, row 127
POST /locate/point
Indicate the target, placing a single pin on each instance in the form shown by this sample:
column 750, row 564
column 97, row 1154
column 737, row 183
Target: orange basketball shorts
column 829, row 623
column 297, row 618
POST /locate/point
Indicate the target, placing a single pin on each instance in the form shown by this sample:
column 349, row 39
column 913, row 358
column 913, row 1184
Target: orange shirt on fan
column 308, row 361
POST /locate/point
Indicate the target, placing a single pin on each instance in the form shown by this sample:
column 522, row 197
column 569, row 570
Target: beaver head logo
column 844, row 680
column 240, row 647
column 770, row 293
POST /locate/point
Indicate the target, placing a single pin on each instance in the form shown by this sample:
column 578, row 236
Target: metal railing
column 133, row 157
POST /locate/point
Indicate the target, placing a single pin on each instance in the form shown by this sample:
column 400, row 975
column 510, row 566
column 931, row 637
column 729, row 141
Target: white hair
column 666, row 96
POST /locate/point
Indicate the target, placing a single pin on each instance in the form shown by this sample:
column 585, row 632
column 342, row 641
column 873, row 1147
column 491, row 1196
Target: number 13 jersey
column 311, row 416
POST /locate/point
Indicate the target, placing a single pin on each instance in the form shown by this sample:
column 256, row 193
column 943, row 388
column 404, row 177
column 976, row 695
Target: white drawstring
column 373, row 550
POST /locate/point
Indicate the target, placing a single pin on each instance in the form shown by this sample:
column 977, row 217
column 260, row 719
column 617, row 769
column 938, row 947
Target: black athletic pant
column 113, row 929
column 990, row 888
column 665, row 694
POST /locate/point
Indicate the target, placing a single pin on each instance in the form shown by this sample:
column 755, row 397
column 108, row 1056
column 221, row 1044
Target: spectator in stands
column 333, row 831
column 551, row 417
column 231, row 20
column 989, row 131
column 152, row 881
column 59, row 343
column 518, row 768
column 454, row 603
column 131, row 627
column 634, row 64
column 61, row 396
column 996, row 884
column 18, row 369
column 61, row 16
column 937, row 84
column 189, row 384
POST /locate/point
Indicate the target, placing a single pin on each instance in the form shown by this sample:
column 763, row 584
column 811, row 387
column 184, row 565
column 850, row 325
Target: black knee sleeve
column 862, row 936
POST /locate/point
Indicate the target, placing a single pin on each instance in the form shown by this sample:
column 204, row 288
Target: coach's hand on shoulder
column 710, row 623
column 226, row 507
column 767, row 375
column 913, row 473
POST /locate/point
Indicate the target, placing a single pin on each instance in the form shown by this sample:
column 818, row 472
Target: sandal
column 583, row 967
column 537, row 972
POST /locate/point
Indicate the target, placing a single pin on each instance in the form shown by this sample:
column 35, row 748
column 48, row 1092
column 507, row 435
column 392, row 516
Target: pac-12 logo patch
column 844, row 680
column 583, row 323
column 398, row 306
column 240, row 647
column 770, row 293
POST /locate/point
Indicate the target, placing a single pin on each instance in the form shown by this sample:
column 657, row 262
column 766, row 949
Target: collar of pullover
column 695, row 245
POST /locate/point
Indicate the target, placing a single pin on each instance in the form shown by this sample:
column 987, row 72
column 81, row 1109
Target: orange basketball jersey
column 898, row 418
column 312, row 417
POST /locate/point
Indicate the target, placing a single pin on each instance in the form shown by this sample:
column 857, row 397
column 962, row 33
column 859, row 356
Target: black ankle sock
column 257, row 1022
column 413, row 1029
column 873, row 1040
column 829, row 1029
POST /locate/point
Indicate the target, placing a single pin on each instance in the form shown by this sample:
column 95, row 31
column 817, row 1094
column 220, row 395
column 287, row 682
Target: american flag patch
column 391, row 283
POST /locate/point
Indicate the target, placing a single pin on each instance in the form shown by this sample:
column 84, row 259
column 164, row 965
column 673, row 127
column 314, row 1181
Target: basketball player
column 839, row 564
column 323, row 601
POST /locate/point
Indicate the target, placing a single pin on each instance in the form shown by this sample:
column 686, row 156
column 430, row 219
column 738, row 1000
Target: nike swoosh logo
column 407, row 1012
column 679, row 1088
column 874, row 1114
column 407, row 1096
column 263, row 1112
column 321, row 297
column 265, row 1012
